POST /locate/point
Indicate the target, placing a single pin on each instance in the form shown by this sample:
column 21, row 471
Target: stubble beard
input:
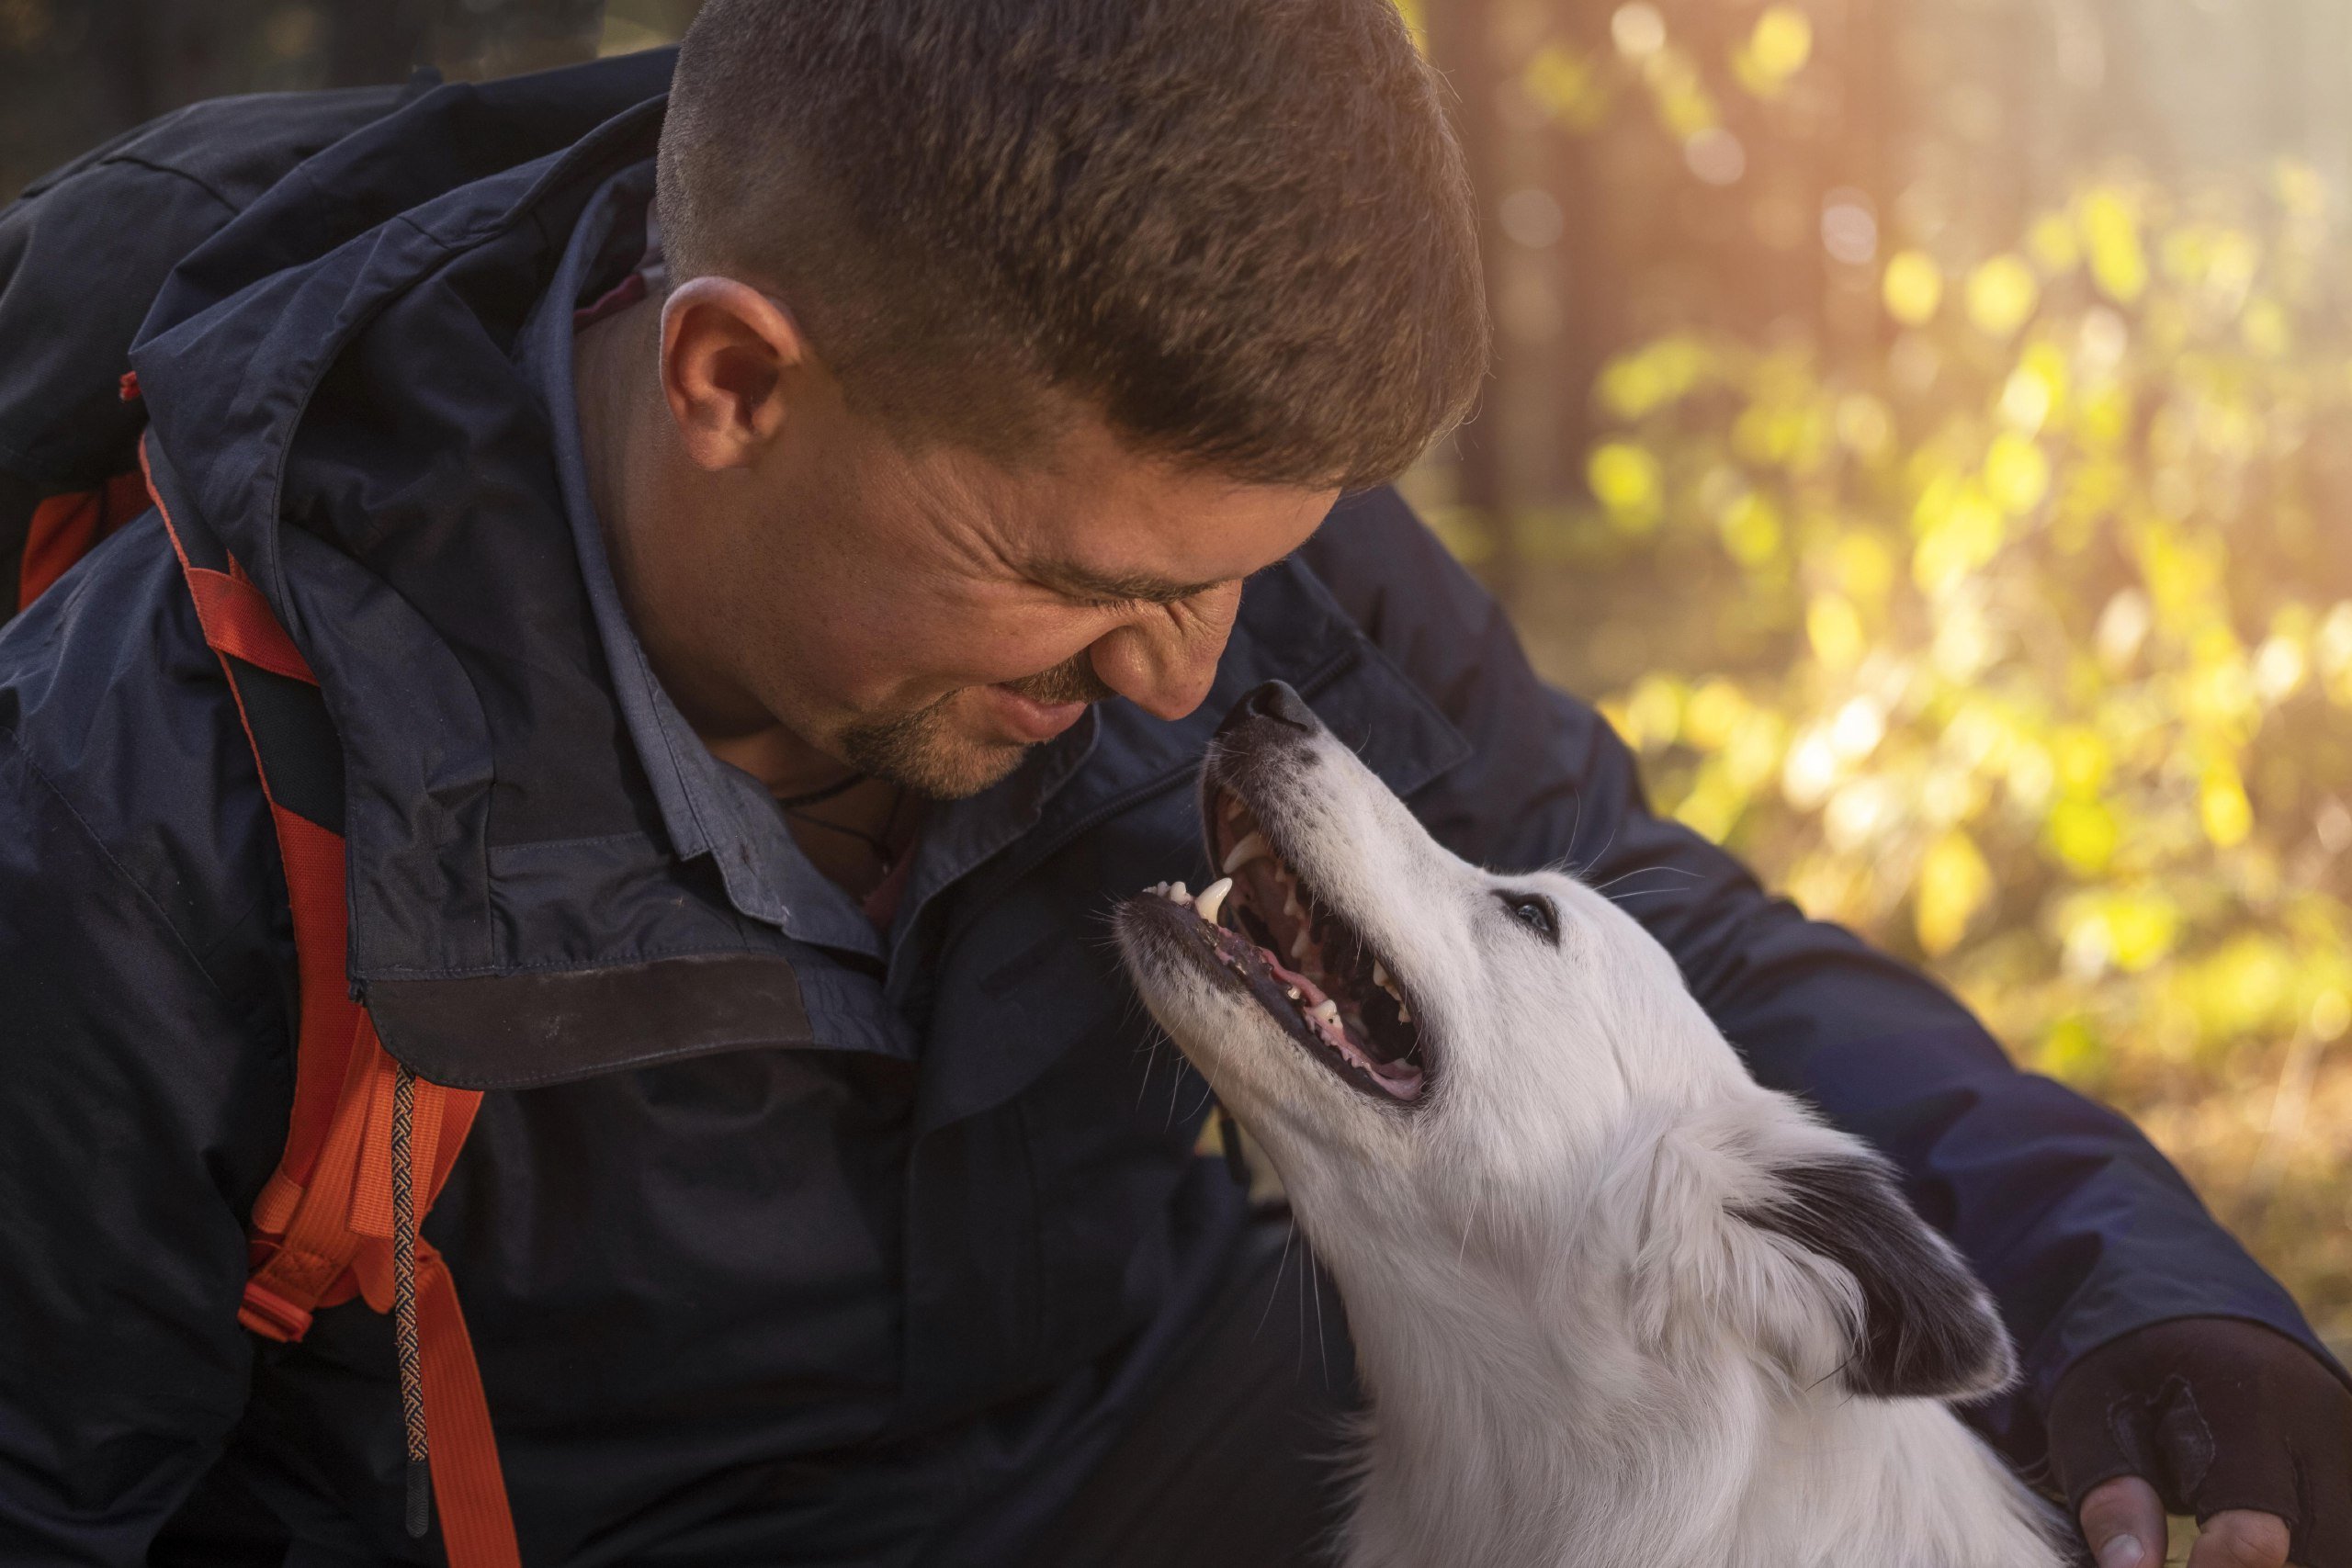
column 922, row 749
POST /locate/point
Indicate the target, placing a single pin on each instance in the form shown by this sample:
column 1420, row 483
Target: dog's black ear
column 1928, row 1329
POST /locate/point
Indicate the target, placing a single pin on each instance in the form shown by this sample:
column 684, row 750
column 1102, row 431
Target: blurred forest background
column 1922, row 424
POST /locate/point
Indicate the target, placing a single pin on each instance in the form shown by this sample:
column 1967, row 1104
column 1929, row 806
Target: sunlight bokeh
column 1973, row 568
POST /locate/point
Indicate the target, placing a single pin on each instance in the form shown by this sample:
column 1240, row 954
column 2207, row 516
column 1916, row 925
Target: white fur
column 1578, row 1354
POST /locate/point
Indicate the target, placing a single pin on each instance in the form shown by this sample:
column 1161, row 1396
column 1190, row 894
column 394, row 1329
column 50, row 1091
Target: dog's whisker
column 1322, row 1343
column 1623, row 875
column 1275, row 1295
column 1606, row 845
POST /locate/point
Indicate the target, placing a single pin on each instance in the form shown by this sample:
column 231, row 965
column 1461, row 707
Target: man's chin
column 924, row 752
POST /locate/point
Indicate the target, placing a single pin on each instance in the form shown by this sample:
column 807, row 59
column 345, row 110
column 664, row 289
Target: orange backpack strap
column 338, row 1217
column 63, row 528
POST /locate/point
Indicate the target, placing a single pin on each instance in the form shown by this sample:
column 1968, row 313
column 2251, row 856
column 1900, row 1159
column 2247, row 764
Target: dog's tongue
column 1399, row 1077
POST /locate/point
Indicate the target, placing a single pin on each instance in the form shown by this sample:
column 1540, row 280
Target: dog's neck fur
column 1617, row 1305
column 1537, row 1405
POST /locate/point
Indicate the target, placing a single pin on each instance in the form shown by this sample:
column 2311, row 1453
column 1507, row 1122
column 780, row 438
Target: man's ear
column 727, row 351
column 1928, row 1328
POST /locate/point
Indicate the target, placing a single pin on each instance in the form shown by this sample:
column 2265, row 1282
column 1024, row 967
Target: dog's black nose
column 1274, row 700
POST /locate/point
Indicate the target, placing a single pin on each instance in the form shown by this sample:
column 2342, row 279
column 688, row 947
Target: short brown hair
column 1240, row 228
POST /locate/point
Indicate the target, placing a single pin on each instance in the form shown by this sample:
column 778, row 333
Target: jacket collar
column 355, row 429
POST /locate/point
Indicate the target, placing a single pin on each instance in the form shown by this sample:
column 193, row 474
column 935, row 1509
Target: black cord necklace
column 819, row 796
column 877, row 844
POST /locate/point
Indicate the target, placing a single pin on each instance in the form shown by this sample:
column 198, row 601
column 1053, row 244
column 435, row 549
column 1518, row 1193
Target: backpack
column 369, row 1143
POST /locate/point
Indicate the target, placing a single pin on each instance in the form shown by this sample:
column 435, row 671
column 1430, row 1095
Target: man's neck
column 635, row 480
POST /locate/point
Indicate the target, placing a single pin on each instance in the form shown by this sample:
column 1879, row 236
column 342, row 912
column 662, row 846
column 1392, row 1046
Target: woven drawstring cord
column 406, row 1344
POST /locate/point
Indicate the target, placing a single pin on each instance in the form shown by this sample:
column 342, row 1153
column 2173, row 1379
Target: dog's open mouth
column 1301, row 959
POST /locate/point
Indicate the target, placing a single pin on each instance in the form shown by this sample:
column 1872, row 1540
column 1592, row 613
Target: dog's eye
column 1535, row 912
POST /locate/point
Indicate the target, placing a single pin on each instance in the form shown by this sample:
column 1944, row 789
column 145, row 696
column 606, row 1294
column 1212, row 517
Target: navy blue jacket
column 745, row 1285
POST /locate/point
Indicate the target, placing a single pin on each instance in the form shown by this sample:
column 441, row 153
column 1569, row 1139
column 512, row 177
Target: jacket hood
column 336, row 400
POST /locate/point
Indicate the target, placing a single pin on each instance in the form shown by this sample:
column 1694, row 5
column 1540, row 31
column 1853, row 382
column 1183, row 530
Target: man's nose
column 1165, row 660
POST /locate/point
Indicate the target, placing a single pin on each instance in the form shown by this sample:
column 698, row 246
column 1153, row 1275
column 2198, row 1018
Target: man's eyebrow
column 1125, row 586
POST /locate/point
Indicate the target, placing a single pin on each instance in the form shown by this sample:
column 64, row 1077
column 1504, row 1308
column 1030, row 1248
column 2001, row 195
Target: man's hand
column 2214, row 1416
column 2123, row 1520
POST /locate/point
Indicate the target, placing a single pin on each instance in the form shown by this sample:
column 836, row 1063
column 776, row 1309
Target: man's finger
column 2240, row 1538
column 2124, row 1523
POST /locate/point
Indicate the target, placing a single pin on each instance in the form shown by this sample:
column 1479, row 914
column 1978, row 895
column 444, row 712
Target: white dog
column 1616, row 1306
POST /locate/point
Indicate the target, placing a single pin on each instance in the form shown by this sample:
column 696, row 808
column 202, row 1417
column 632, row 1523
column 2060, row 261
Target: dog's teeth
column 1234, row 810
column 1325, row 1011
column 1293, row 993
column 1179, row 894
column 1211, row 903
column 1403, row 1013
column 1379, row 976
column 1290, row 903
column 1242, row 854
column 1299, row 945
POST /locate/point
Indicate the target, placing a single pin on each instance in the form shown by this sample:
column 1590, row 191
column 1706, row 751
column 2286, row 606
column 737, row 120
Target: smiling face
column 1369, row 1002
column 929, row 616
column 922, row 611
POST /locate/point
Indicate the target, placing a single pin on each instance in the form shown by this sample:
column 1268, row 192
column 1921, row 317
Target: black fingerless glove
column 2215, row 1413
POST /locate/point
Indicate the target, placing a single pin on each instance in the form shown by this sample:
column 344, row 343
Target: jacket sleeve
column 2081, row 1229
column 141, row 1108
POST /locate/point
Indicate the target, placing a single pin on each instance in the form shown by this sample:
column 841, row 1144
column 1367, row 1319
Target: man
column 758, row 644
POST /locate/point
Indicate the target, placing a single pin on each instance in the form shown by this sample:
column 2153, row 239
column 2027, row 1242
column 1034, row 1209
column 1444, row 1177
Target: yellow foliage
column 1680, row 95
column 1712, row 806
column 1835, row 630
column 1567, row 85
column 2070, row 1048
column 2001, row 294
column 2017, row 475
column 1466, row 535
column 2221, row 804
column 1626, row 478
column 2111, row 233
column 1655, row 376
column 1913, row 288
column 2263, row 327
column 1653, row 713
column 2248, row 984
column 1714, row 712
column 2061, row 629
column 2083, row 834
column 1961, row 535
column 2051, row 243
column 1752, row 752
column 1776, row 50
column 1751, row 529
column 2141, row 928
column 1862, row 562
column 1954, row 883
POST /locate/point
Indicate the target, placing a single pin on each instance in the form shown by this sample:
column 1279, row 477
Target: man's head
column 1007, row 336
